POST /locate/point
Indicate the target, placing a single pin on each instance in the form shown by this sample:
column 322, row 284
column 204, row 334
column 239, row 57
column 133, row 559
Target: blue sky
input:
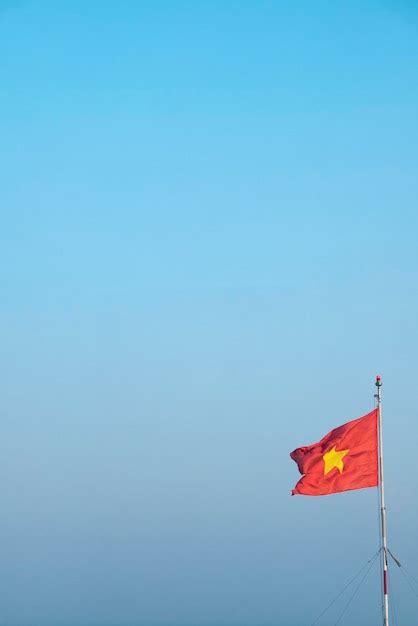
column 209, row 249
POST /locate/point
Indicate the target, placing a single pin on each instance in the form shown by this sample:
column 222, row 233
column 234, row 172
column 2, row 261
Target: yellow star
column 334, row 458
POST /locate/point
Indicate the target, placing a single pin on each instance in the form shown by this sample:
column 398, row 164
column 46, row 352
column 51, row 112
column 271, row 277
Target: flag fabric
column 346, row 458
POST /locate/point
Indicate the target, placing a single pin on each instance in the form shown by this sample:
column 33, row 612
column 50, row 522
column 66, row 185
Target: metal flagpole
column 384, row 548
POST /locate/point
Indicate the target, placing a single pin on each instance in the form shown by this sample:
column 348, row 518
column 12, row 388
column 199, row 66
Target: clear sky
column 208, row 242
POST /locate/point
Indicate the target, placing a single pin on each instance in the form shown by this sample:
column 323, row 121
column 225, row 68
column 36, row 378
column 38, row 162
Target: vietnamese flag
column 344, row 459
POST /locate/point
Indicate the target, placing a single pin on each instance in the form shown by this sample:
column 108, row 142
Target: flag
column 345, row 459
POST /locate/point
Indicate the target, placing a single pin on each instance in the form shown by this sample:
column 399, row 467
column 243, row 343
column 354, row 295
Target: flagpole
column 383, row 528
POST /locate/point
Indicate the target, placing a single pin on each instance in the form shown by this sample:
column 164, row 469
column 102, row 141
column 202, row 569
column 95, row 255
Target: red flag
column 344, row 459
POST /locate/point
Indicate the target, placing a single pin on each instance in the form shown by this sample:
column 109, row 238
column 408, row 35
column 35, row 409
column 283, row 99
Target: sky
column 208, row 247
